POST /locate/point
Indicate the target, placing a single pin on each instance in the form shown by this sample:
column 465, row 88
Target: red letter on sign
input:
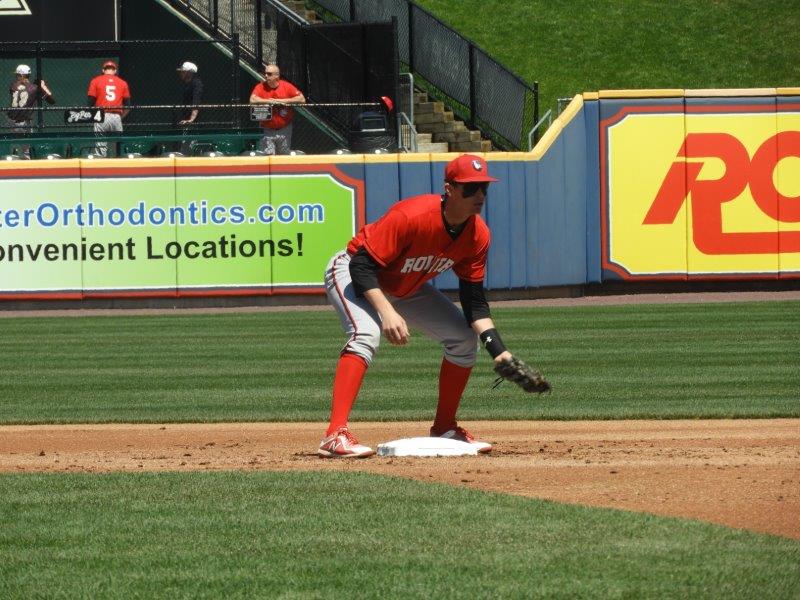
column 709, row 195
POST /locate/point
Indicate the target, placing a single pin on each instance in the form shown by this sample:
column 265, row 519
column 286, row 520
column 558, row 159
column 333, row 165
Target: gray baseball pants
column 428, row 310
column 111, row 123
column 277, row 141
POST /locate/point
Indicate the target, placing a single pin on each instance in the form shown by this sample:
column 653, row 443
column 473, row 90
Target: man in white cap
column 192, row 96
column 24, row 95
column 192, row 91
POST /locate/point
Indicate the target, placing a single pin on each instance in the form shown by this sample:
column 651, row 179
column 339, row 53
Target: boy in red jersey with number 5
column 380, row 285
column 111, row 93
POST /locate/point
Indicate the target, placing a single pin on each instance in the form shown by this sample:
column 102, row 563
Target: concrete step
column 458, row 136
column 425, row 138
column 480, row 146
column 433, row 117
column 433, row 148
column 440, row 127
column 423, row 108
column 420, row 97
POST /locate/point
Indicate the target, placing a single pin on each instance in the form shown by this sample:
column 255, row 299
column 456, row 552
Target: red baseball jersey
column 281, row 115
column 411, row 245
column 108, row 92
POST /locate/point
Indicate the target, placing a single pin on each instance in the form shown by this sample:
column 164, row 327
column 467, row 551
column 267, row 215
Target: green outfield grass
column 572, row 46
column 645, row 361
column 324, row 535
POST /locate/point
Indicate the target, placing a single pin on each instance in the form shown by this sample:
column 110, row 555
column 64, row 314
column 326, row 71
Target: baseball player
column 110, row 92
column 380, row 285
column 279, row 93
column 24, row 95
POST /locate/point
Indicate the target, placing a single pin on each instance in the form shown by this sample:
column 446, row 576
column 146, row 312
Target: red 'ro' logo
column 709, row 195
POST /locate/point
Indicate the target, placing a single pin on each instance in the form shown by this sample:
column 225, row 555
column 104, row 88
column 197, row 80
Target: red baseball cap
column 110, row 63
column 467, row 168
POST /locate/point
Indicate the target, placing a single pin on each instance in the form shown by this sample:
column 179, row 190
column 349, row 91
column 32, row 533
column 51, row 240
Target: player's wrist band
column 492, row 342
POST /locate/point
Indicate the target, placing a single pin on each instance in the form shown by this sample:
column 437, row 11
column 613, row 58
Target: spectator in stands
column 192, row 95
column 24, row 95
column 109, row 92
column 278, row 94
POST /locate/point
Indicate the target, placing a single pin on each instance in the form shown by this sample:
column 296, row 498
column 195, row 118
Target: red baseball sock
column 349, row 375
column 452, row 381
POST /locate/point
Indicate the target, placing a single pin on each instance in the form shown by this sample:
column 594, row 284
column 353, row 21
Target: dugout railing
column 152, row 130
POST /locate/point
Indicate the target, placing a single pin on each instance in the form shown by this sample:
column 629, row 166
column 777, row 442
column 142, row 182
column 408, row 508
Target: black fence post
column 259, row 13
column 39, row 115
column 411, row 8
column 352, row 10
column 235, row 75
column 365, row 90
column 215, row 16
column 306, row 29
column 471, row 122
column 535, row 110
column 396, row 76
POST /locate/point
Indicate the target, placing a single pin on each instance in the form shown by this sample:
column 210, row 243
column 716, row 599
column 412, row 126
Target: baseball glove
column 524, row 376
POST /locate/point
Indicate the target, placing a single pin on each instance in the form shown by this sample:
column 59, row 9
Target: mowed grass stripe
column 304, row 535
column 643, row 361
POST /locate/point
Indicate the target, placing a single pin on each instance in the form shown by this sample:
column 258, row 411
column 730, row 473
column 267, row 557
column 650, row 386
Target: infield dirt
column 739, row 473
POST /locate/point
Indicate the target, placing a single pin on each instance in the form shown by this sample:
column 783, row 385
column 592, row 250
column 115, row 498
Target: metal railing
column 407, row 133
column 227, row 128
column 404, row 109
column 533, row 134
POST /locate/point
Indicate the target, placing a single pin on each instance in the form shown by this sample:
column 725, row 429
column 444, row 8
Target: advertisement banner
column 701, row 188
column 164, row 227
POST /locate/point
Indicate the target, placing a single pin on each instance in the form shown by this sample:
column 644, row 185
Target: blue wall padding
column 591, row 118
column 518, row 239
column 574, row 170
column 499, row 214
column 383, row 188
column 552, row 215
column 532, row 241
column 415, row 179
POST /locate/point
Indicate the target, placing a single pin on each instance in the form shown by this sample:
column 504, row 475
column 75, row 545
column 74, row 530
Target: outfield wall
column 631, row 185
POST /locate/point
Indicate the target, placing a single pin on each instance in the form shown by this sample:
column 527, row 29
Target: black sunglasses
column 471, row 188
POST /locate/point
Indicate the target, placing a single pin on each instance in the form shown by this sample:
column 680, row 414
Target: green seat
column 42, row 149
column 141, row 147
column 197, row 148
column 229, row 145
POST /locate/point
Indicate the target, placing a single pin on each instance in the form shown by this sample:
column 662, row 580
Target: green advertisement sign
column 213, row 232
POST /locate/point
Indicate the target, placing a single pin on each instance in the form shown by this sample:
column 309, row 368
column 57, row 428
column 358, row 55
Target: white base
column 426, row 446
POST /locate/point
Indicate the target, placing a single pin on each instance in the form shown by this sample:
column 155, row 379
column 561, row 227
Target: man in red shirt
column 278, row 94
column 380, row 285
column 110, row 92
